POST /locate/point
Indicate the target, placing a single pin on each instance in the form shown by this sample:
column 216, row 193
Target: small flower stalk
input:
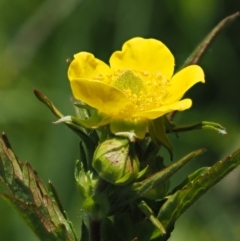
column 124, row 118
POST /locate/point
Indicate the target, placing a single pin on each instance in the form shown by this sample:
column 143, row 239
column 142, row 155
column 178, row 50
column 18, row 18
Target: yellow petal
column 144, row 55
column 103, row 97
column 86, row 66
column 155, row 113
column 182, row 81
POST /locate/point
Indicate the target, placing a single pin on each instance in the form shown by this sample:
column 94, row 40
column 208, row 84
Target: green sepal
column 158, row 193
column 169, row 125
column 158, row 134
column 76, row 128
column 96, row 206
column 96, row 120
column 48, row 103
column 83, row 111
column 125, row 179
column 151, row 216
column 138, row 126
column 142, row 172
column 182, row 199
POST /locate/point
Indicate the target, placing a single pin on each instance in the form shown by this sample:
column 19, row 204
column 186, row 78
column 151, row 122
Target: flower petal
column 182, row 81
column 86, row 66
column 155, row 113
column 105, row 98
column 144, row 55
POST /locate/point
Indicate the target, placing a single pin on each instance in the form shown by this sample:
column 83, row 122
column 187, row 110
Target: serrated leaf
column 42, row 227
column 53, row 193
column 30, row 198
column 180, row 201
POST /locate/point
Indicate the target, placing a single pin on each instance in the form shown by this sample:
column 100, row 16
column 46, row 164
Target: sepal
column 158, row 134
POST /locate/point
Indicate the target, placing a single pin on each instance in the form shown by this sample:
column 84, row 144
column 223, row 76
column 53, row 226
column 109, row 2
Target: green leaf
column 40, row 207
column 43, row 227
column 181, row 200
column 205, row 44
column 200, row 125
column 137, row 190
column 158, row 178
column 198, row 53
column 191, row 178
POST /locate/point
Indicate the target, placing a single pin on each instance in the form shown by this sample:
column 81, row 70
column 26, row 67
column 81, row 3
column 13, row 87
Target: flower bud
column 115, row 161
column 86, row 182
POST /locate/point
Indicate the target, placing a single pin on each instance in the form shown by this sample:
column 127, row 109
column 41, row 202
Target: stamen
column 146, row 90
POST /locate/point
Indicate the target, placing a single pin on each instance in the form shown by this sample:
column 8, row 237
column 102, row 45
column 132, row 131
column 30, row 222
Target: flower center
column 145, row 89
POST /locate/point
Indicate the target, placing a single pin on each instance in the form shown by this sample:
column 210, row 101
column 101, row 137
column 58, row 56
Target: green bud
column 86, row 182
column 116, row 162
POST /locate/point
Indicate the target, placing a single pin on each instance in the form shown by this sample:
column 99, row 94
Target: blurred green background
column 36, row 37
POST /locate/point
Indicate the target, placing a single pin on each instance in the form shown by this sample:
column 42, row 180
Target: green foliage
column 39, row 206
column 91, row 26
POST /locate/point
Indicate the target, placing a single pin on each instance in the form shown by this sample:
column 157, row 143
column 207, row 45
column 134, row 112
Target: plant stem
column 94, row 230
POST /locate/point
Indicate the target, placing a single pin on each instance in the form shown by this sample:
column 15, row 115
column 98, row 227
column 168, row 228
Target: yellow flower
column 137, row 86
